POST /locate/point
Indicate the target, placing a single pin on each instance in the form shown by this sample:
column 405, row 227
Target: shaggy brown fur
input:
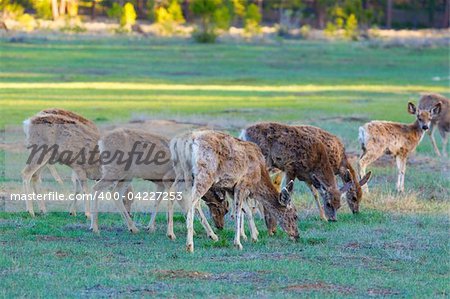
column 440, row 121
column 221, row 161
column 302, row 155
column 396, row 139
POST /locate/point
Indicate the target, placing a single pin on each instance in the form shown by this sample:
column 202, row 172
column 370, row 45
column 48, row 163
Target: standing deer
column 299, row 152
column 53, row 134
column 35, row 170
column 396, row 139
column 222, row 161
column 139, row 154
column 440, row 121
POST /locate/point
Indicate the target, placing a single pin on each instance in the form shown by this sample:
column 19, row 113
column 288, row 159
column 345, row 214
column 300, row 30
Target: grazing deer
column 300, row 153
column 396, row 139
column 77, row 183
column 221, row 161
column 71, row 133
column 147, row 157
column 440, row 121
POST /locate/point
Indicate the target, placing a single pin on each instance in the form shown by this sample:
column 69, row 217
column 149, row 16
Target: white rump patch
column 26, row 127
column 362, row 136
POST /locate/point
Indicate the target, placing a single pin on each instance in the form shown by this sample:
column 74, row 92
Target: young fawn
column 396, row 139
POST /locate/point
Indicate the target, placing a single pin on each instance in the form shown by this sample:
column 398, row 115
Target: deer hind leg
column 27, row 178
column 317, row 200
column 401, row 165
column 128, row 199
column 35, row 181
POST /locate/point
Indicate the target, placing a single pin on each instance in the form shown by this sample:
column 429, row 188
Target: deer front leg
column 240, row 194
column 433, row 140
column 251, row 223
column 205, row 224
column 121, row 187
column 170, row 232
column 317, row 200
column 99, row 187
column 444, row 143
column 77, row 189
column 152, row 224
column 401, row 166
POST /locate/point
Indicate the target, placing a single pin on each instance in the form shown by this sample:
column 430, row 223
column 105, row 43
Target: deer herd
column 210, row 166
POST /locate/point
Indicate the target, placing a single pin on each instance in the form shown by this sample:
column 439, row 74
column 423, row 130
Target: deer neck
column 416, row 130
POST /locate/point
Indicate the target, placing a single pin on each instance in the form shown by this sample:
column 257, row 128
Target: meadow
column 397, row 246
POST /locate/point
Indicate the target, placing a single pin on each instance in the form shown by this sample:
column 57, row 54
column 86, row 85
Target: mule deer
column 78, row 184
column 297, row 151
column 132, row 145
column 440, row 121
column 68, row 133
column 396, row 139
column 222, row 161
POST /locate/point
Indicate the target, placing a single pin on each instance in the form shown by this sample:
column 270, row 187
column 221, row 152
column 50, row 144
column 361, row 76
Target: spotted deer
column 218, row 160
column 396, row 139
column 300, row 153
column 440, row 121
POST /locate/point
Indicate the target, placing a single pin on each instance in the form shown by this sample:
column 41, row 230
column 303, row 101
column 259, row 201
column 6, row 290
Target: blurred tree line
column 214, row 14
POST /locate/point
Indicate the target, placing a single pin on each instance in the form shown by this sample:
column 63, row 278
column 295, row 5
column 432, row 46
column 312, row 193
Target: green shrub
column 222, row 18
column 305, row 31
column 351, row 28
column 252, row 19
column 115, row 12
column 205, row 10
column 43, row 9
column 27, row 22
column 128, row 17
column 169, row 19
column 330, row 30
column 12, row 11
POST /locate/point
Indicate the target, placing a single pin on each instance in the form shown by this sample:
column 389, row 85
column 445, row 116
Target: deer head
column 354, row 193
column 331, row 196
column 424, row 116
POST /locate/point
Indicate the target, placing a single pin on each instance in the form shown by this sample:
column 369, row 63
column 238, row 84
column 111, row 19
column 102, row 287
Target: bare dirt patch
column 180, row 273
column 319, row 286
column 382, row 292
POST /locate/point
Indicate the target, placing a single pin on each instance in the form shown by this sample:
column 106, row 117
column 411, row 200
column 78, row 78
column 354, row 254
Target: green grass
column 398, row 245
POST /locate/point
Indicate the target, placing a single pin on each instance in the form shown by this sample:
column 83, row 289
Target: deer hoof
column 171, row 236
column 190, row 248
column 238, row 246
column 214, row 237
column 134, row 230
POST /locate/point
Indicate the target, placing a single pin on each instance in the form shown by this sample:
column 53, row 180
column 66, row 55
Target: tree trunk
column 140, row 6
column 62, row 8
column 446, row 14
column 320, row 15
column 55, row 9
column 389, row 14
column 93, row 9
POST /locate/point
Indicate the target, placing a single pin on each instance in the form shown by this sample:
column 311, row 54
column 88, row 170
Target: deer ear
column 289, row 185
column 285, row 197
column 365, row 179
column 436, row 109
column 346, row 187
column 317, row 182
column 411, row 108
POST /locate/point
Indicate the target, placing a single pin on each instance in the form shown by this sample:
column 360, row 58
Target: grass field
column 397, row 246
